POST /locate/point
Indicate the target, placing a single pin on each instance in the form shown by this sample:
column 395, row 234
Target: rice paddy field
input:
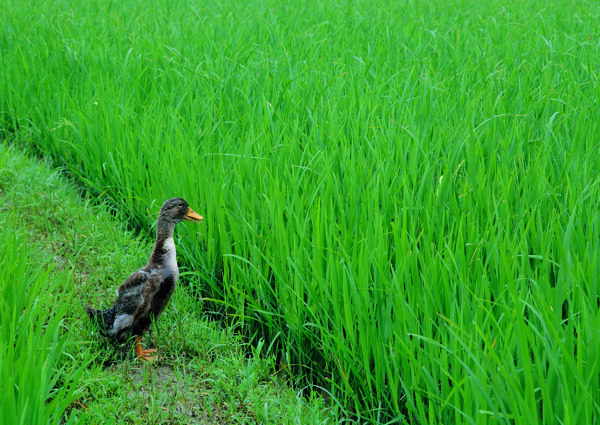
column 401, row 199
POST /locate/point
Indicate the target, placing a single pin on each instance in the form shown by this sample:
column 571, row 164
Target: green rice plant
column 38, row 377
column 401, row 199
column 205, row 370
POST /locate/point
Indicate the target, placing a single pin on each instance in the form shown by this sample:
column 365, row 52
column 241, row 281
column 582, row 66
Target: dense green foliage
column 401, row 198
column 38, row 381
column 59, row 253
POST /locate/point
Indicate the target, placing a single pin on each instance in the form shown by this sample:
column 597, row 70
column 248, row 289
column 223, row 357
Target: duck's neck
column 164, row 229
column 164, row 254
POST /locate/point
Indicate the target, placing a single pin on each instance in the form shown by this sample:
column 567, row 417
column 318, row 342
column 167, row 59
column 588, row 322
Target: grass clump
column 41, row 364
column 39, row 382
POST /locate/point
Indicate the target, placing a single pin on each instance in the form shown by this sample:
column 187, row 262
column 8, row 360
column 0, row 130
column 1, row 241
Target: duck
column 143, row 296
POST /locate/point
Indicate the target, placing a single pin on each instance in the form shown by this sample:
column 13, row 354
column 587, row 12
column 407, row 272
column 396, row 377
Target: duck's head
column 175, row 210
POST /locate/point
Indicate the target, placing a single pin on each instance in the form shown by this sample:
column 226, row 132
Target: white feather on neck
column 170, row 256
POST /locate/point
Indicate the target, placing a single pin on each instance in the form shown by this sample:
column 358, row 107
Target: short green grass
column 402, row 198
column 60, row 252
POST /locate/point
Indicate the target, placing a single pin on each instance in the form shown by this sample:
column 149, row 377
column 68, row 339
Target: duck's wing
column 134, row 283
column 155, row 294
column 130, row 297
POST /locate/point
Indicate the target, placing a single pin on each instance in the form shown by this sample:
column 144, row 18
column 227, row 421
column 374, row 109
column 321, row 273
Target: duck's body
column 145, row 293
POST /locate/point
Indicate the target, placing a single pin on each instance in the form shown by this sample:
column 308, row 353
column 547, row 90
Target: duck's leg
column 144, row 354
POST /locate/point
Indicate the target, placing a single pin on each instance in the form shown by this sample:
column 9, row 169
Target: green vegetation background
column 60, row 252
column 402, row 198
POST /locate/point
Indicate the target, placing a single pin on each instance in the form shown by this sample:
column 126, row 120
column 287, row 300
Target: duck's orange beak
column 193, row 215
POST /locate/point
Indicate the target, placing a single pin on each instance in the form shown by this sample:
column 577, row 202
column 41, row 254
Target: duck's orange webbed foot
column 142, row 354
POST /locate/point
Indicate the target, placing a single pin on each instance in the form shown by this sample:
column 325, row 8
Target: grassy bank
column 60, row 253
column 401, row 199
column 39, row 380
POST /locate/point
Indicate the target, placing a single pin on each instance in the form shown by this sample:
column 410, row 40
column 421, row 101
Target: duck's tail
column 97, row 316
